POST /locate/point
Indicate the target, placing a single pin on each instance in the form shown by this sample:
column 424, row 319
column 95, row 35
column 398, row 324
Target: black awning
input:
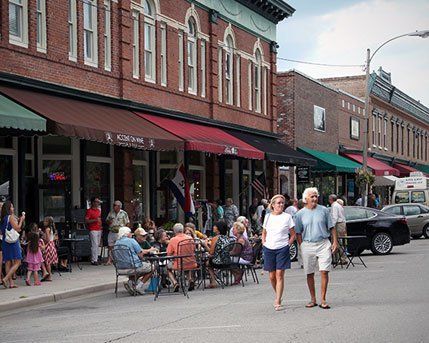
column 275, row 150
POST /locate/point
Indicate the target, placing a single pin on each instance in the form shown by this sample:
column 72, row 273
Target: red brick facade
column 55, row 66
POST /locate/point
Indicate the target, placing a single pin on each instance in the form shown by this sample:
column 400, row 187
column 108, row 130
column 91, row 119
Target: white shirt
column 337, row 213
column 277, row 228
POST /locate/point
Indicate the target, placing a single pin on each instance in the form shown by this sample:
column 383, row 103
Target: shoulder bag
column 11, row 236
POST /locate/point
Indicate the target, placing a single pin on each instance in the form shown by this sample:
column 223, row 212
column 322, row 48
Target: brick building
column 128, row 90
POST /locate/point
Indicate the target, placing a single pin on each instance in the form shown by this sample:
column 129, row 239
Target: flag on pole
column 179, row 186
column 259, row 185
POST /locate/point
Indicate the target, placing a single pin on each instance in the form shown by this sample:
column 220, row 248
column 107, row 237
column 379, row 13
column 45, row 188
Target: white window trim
column 385, row 134
column 343, row 103
column 229, row 78
column 93, row 62
column 150, row 22
column 181, row 83
column 136, row 44
column 163, row 54
column 374, row 124
column 238, row 76
column 264, row 90
column 257, row 86
column 107, row 36
column 194, row 43
column 379, row 137
column 203, row 68
column 250, row 79
column 42, row 46
column 22, row 40
column 72, row 23
column 220, row 73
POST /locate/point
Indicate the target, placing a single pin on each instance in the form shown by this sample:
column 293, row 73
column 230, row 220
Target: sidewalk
column 90, row 279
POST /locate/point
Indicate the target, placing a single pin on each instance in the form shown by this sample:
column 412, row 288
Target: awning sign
column 130, row 141
column 302, row 174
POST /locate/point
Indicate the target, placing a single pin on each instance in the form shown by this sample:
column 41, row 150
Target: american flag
column 259, row 185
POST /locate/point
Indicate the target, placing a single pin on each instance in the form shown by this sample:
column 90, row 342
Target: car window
column 355, row 213
column 418, row 196
column 393, row 210
column 411, row 210
column 424, row 209
column 370, row 214
column 401, row 198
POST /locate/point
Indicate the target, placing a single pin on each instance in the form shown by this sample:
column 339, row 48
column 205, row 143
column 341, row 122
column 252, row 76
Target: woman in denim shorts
column 277, row 235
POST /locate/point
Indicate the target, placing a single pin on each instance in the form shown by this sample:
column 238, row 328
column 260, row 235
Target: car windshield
column 417, row 196
column 401, row 198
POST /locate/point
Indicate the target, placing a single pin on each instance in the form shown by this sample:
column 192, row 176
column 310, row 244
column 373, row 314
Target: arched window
column 257, row 83
column 229, row 69
column 149, row 40
column 192, row 56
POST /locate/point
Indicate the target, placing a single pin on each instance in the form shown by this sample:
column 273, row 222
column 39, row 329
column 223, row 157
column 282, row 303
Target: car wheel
column 381, row 243
column 426, row 231
column 416, row 236
column 293, row 251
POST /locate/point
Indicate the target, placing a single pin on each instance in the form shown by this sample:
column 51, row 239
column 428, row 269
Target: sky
column 340, row 31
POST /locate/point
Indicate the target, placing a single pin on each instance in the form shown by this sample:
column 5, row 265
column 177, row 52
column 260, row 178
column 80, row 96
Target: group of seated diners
column 183, row 251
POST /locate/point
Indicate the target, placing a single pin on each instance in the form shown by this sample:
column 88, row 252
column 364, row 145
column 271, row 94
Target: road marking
column 196, row 328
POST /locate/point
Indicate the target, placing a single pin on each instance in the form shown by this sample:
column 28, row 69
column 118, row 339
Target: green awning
column 422, row 167
column 329, row 162
column 14, row 116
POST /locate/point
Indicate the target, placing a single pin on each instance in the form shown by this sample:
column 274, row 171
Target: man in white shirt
column 339, row 221
column 116, row 219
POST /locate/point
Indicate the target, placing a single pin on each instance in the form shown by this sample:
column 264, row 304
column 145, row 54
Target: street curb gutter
column 54, row 297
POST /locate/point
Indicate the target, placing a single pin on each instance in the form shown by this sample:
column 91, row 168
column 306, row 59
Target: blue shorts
column 278, row 259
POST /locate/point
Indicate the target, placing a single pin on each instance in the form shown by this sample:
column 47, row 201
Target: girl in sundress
column 50, row 256
column 34, row 258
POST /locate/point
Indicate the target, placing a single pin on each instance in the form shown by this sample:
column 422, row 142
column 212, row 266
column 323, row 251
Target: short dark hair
column 5, row 210
column 223, row 229
column 93, row 199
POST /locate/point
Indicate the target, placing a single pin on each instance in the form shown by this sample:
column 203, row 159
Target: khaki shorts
column 313, row 253
column 112, row 238
column 146, row 268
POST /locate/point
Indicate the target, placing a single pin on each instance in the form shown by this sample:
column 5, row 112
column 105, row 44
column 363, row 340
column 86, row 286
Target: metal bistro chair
column 186, row 264
column 124, row 265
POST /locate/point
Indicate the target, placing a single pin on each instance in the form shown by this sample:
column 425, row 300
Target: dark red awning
column 95, row 122
column 379, row 168
column 199, row 137
column 404, row 169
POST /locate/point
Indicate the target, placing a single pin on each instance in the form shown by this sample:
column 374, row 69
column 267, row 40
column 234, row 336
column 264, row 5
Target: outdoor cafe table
column 71, row 244
column 159, row 261
column 355, row 242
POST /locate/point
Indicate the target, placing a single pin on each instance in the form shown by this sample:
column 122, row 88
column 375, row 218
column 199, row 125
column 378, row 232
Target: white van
column 413, row 189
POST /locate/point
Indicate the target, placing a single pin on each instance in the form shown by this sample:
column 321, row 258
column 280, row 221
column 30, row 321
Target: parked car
column 382, row 230
column 417, row 217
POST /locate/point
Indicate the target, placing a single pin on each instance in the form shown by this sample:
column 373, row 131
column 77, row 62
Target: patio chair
column 234, row 251
column 186, row 264
column 124, row 265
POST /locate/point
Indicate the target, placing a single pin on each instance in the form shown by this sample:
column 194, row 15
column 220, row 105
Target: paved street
column 388, row 302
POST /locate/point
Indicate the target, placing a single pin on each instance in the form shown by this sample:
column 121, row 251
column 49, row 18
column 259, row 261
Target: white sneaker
column 140, row 287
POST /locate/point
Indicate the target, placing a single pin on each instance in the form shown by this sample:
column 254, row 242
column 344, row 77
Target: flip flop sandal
column 324, row 306
column 311, row 305
column 27, row 282
column 279, row 307
column 14, row 286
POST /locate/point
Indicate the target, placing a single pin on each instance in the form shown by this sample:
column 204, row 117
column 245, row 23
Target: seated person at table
column 246, row 256
column 140, row 235
column 175, row 247
column 161, row 243
column 243, row 220
column 218, row 256
column 201, row 242
column 144, row 269
column 196, row 233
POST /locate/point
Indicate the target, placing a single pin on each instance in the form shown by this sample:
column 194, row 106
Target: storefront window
column 56, row 171
column 6, row 142
column 139, row 190
column 97, row 149
column 56, row 145
column 167, row 202
column 168, row 157
column 139, row 155
column 196, row 183
column 228, row 185
column 98, row 183
column 196, row 158
column 6, row 168
column 228, row 164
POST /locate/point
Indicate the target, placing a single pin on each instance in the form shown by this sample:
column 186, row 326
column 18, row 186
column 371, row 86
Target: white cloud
column 342, row 37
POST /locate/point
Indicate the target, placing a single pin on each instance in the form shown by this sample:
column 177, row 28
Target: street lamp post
column 369, row 57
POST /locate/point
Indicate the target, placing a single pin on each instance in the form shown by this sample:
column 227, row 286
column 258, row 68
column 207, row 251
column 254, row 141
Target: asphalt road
column 388, row 302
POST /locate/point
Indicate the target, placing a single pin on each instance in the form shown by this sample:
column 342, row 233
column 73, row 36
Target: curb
column 54, row 297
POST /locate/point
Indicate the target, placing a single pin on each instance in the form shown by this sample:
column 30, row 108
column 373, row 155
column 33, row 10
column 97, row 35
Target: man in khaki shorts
column 339, row 221
column 313, row 225
column 115, row 219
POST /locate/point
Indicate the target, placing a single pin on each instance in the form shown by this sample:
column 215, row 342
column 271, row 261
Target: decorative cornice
column 273, row 10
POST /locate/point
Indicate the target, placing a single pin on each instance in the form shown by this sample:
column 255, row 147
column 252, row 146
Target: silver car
column 417, row 217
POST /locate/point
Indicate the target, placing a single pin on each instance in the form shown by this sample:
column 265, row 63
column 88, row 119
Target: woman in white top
column 277, row 234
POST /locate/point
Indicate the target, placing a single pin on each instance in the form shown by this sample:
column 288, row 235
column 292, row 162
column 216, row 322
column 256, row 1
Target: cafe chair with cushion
column 124, row 265
column 186, row 264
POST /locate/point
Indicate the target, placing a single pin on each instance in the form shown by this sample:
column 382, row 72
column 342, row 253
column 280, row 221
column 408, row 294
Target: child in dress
column 50, row 252
column 34, row 256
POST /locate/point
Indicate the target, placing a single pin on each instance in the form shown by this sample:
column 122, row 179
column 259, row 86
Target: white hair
column 307, row 192
column 178, row 228
column 123, row 231
column 243, row 220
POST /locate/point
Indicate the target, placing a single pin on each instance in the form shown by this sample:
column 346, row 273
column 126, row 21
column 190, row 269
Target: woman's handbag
column 11, row 235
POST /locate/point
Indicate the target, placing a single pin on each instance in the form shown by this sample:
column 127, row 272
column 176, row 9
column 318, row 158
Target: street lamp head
column 422, row 34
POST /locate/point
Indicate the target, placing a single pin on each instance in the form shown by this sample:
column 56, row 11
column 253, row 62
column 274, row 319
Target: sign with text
column 302, row 174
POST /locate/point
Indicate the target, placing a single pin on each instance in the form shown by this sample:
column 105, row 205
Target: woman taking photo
column 277, row 235
column 11, row 250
